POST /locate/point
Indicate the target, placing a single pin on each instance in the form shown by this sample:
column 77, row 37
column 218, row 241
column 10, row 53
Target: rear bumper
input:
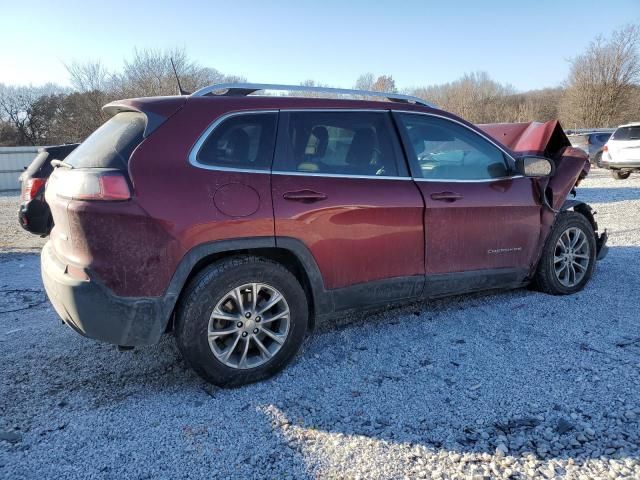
column 95, row 312
column 618, row 165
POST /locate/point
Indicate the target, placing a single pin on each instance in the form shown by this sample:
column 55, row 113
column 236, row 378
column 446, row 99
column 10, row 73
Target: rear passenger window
column 338, row 143
column 241, row 141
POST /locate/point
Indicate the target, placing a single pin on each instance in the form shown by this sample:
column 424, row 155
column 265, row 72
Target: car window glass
column 578, row 140
column 444, row 150
column 343, row 143
column 627, row 133
column 241, row 141
column 111, row 145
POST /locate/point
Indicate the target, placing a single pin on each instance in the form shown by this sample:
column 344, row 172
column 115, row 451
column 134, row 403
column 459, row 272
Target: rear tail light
column 605, row 148
column 88, row 185
column 31, row 187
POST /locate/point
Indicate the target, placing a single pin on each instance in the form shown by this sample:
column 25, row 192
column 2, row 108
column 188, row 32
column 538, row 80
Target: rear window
column 603, row 137
column 111, row 145
column 627, row 133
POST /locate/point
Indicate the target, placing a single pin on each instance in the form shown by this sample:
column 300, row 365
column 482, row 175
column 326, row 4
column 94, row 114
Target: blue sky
column 331, row 41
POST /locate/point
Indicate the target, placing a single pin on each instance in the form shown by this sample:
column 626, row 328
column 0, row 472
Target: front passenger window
column 444, row 150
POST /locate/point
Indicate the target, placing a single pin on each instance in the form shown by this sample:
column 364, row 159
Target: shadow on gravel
column 517, row 373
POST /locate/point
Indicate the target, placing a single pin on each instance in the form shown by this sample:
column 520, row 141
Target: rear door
column 340, row 186
column 479, row 219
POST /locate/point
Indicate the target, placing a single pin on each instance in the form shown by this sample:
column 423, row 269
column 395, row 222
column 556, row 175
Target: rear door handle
column 305, row 196
column 446, row 196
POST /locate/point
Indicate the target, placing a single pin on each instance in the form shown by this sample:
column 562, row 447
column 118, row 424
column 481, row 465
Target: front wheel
column 569, row 256
column 241, row 320
column 620, row 175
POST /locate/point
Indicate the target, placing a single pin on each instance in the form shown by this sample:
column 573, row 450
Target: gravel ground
column 507, row 385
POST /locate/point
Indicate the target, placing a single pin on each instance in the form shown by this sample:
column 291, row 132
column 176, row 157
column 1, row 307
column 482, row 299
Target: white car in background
column 621, row 154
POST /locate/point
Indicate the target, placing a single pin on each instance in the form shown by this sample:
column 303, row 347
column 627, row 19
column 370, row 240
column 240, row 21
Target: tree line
column 602, row 90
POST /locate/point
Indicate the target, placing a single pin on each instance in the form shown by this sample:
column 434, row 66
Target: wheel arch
column 289, row 252
column 582, row 208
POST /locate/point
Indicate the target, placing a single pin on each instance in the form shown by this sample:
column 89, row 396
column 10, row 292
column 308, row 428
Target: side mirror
column 535, row 167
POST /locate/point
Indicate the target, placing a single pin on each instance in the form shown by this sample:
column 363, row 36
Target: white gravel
column 507, row 385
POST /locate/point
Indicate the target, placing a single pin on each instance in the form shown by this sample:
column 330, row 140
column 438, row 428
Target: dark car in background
column 590, row 141
column 34, row 214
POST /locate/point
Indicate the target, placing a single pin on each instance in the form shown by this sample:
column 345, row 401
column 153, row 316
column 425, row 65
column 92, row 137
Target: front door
column 480, row 218
column 341, row 186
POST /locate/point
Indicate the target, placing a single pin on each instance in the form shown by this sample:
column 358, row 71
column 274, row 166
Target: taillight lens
column 31, row 187
column 88, row 185
column 605, row 148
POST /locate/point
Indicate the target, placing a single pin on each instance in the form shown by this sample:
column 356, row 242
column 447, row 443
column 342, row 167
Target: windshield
column 111, row 145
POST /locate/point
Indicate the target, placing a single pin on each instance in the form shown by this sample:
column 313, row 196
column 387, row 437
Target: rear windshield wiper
column 60, row 163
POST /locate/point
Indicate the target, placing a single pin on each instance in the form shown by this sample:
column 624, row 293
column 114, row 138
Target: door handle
column 305, row 196
column 446, row 196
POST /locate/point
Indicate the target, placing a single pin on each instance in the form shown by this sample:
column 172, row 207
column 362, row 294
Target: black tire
column 620, row 175
column 207, row 288
column 546, row 279
column 598, row 159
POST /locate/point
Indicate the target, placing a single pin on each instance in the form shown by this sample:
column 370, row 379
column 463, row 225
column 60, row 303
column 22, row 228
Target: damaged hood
column 548, row 140
column 532, row 138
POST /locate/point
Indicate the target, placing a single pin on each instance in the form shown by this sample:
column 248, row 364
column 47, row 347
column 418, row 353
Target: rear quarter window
column 111, row 145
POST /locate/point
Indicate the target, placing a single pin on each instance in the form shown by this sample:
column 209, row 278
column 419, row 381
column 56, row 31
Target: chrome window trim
column 338, row 175
column 193, row 153
column 483, row 180
column 480, row 134
column 195, row 149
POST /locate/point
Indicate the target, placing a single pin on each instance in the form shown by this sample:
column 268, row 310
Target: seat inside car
column 360, row 154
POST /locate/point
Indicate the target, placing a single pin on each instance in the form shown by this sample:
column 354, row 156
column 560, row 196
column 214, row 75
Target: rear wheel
column 569, row 256
column 598, row 159
column 241, row 320
column 620, row 175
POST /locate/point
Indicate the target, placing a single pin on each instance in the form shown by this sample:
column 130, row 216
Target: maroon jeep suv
column 238, row 221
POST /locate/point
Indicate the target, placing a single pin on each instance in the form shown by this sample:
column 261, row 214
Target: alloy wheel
column 571, row 257
column 249, row 325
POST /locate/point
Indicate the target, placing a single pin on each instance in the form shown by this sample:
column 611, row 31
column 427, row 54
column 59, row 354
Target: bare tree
column 94, row 85
column 475, row 97
column 602, row 80
column 365, row 82
column 149, row 73
column 89, row 76
column 29, row 110
column 384, row 83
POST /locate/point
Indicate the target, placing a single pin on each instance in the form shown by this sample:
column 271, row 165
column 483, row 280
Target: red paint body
column 366, row 229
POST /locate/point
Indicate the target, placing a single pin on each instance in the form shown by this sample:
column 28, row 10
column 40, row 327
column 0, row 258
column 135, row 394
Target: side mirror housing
column 534, row 166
